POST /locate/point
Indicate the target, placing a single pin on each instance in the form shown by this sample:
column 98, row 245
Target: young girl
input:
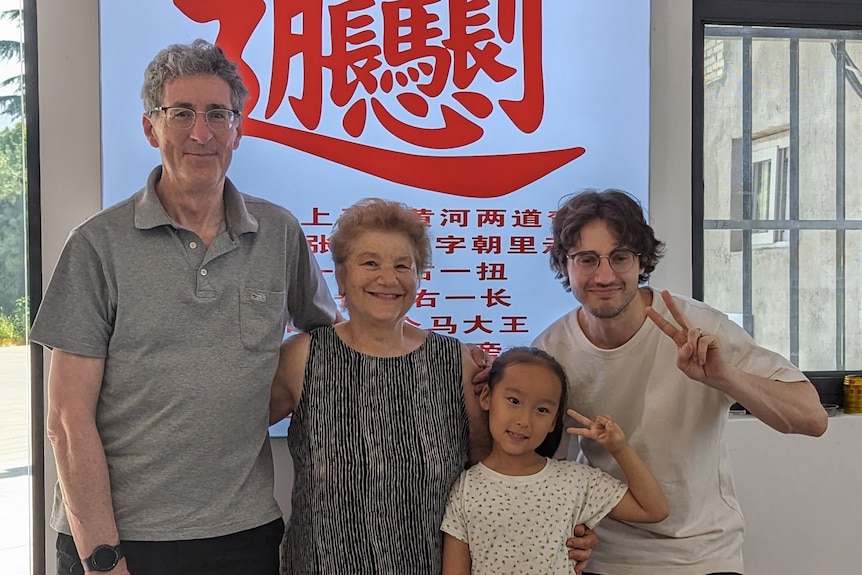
column 512, row 512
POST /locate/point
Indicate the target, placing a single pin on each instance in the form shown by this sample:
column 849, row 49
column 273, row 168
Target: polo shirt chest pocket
column 261, row 319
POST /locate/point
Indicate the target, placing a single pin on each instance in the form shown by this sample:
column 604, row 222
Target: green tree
column 14, row 315
column 12, row 105
column 12, row 217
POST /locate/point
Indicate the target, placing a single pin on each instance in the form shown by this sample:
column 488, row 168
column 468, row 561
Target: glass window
column 782, row 188
column 16, row 494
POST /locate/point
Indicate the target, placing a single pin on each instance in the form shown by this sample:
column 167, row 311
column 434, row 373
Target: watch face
column 105, row 558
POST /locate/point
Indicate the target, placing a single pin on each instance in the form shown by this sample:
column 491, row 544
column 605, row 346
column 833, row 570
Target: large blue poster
column 479, row 114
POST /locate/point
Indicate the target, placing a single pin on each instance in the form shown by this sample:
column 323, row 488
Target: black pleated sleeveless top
column 376, row 443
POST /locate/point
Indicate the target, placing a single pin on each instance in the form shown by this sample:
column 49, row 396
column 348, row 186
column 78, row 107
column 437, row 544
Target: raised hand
column 698, row 354
column 602, row 429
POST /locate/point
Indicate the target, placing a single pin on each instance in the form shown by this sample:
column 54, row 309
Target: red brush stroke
column 466, row 176
column 235, row 30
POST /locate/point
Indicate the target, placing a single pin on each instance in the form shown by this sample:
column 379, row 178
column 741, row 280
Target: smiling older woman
column 384, row 414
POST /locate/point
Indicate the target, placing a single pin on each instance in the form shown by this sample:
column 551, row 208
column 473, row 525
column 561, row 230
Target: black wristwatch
column 104, row 558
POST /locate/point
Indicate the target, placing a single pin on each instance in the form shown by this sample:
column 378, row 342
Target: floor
column 15, row 488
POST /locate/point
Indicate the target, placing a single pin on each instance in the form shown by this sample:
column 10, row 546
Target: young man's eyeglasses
column 179, row 118
column 621, row 260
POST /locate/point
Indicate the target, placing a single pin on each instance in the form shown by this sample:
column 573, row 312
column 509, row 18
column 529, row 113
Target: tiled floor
column 14, row 467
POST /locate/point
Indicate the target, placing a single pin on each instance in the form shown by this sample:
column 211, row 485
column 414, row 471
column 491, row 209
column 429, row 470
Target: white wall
column 70, row 152
column 802, row 497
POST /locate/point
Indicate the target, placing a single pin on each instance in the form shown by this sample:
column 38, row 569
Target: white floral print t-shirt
column 519, row 524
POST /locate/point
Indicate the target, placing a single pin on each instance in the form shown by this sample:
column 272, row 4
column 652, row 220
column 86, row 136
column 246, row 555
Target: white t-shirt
column 677, row 426
column 520, row 524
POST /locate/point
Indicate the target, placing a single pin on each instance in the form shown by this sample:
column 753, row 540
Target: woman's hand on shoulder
column 473, row 370
column 480, row 365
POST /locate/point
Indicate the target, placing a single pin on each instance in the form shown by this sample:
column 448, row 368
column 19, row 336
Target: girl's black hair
column 535, row 356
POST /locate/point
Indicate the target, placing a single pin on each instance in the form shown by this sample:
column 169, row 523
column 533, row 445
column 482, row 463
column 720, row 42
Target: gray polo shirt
column 190, row 335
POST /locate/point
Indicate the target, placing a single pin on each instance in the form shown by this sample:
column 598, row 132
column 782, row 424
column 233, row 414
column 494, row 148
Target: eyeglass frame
column 237, row 115
column 571, row 258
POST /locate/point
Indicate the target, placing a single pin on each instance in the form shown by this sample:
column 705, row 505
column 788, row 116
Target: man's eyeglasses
column 621, row 260
column 184, row 118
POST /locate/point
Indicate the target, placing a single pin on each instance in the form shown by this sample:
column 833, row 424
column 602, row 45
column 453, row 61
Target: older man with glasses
column 668, row 381
column 165, row 315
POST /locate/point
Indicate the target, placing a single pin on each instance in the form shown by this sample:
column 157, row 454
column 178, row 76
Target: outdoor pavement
column 15, row 489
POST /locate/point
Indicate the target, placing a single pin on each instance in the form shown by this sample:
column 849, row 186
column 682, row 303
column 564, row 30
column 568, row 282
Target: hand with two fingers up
column 698, row 353
column 602, row 429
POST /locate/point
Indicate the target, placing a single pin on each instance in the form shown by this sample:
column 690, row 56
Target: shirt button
column 193, row 245
column 204, row 272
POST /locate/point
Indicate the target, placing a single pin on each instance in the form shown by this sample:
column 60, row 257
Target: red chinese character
column 491, row 348
column 460, row 297
column 425, row 214
column 487, row 271
column 408, row 64
column 477, row 323
column 317, row 218
column 548, row 243
column 522, row 245
column 491, row 217
column 319, row 243
column 493, row 298
column 455, row 217
column 425, row 298
column 514, row 324
column 450, row 243
column 412, row 322
column 443, row 323
column 527, row 219
column 487, row 244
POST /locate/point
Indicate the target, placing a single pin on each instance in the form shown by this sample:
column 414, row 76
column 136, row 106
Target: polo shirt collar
column 149, row 212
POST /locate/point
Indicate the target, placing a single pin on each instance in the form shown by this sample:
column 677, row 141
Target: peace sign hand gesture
column 698, row 354
column 603, row 430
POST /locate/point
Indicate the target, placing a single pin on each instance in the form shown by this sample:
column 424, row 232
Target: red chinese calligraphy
column 477, row 323
column 425, row 298
column 527, row 219
column 522, row 245
column 394, row 61
column 454, row 217
column 319, row 243
column 496, row 271
column 317, row 217
column 494, row 298
column 443, row 323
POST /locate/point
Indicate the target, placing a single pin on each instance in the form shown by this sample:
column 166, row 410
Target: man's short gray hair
column 181, row 60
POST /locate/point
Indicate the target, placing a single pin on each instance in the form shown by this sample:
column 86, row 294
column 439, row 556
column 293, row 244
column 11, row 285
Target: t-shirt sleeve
column 77, row 312
column 454, row 518
column 309, row 302
column 603, row 493
column 740, row 349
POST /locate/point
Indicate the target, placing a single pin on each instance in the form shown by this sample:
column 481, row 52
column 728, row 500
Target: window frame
column 841, row 14
column 33, row 249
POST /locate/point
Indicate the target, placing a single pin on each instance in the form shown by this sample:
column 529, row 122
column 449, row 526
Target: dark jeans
column 251, row 552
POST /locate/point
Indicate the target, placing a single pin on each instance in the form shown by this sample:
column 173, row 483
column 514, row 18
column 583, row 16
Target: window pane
column 770, row 269
column 853, row 151
column 853, row 295
column 16, row 496
column 723, row 272
column 818, row 304
column 817, row 130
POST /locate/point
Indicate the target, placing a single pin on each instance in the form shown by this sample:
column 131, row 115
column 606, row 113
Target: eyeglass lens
column 184, row 118
column 620, row 261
